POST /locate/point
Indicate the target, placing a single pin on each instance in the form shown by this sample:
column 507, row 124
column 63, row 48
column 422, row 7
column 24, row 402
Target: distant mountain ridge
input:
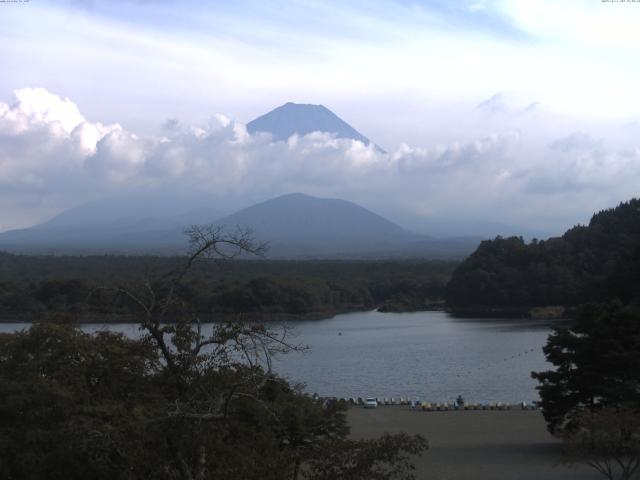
column 136, row 208
column 297, row 118
column 295, row 225
column 314, row 225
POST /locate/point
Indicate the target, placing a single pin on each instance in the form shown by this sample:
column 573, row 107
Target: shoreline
column 205, row 317
column 502, row 313
column 535, row 312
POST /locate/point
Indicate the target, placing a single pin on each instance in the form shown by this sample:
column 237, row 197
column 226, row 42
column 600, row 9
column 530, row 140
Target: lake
column 429, row 355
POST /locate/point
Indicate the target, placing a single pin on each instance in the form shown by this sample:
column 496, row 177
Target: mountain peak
column 319, row 225
column 303, row 118
column 295, row 196
column 301, row 106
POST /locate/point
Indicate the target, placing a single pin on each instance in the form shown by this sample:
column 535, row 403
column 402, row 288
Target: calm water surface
column 429, row 355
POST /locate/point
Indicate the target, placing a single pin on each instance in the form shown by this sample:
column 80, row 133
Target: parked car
column 370, row 403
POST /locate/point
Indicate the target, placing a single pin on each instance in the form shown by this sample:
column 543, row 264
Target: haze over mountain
column 167, row 206
column 131, row 224
column 297, row 118
column 153, row 221
column 440, row 227
column 295, row 225
column 304, row 224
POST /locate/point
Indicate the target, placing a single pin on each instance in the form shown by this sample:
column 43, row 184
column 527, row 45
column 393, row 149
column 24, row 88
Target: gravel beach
column 474, row 445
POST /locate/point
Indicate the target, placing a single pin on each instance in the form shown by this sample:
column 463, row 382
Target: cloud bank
column 52, row 157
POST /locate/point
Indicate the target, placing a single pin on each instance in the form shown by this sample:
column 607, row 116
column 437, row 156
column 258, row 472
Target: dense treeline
column 31, row 287
column 587, row 264
column 597, row 364
column 591, row 398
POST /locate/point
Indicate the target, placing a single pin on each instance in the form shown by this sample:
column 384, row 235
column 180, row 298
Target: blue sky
column 418, row 78
column 325, row 52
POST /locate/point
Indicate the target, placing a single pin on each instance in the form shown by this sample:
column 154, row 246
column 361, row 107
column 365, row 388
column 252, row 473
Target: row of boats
column 433, row 407
column 416, row 404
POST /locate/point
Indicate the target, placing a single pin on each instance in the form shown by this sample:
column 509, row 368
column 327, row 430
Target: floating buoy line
column 495, row 364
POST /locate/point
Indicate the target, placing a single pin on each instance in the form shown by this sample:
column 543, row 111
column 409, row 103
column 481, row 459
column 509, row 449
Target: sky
column 523, row 112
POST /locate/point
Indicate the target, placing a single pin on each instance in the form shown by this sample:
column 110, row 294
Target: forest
column 41, row 287
column 589, row 263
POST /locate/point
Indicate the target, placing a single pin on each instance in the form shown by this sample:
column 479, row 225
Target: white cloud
column 45, row 140
column 495, row 104
column 37, row 107
column 535, row 169
column 575, row 141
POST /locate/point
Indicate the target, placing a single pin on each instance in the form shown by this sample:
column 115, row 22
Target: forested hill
column 80, row 288
column 587, row 264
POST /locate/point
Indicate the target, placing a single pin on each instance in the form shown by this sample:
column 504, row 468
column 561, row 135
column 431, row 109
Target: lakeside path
column 474, row 445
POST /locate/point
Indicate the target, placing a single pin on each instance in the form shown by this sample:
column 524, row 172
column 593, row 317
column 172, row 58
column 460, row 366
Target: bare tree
column 175, row 329
column 607, row 440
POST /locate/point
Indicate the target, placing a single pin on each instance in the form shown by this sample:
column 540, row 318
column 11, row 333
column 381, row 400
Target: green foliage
column 596, row 363
column 74, row 405
column 624, row 282
column 70, row 403
column 570, row 270
column 37, row 287
column 176, row 403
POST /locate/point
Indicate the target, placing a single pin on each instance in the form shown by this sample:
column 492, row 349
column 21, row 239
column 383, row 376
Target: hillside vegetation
column 590, row 263
column 37, row 287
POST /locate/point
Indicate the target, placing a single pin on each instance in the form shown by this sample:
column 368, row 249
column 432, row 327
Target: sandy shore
column 474, row 445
